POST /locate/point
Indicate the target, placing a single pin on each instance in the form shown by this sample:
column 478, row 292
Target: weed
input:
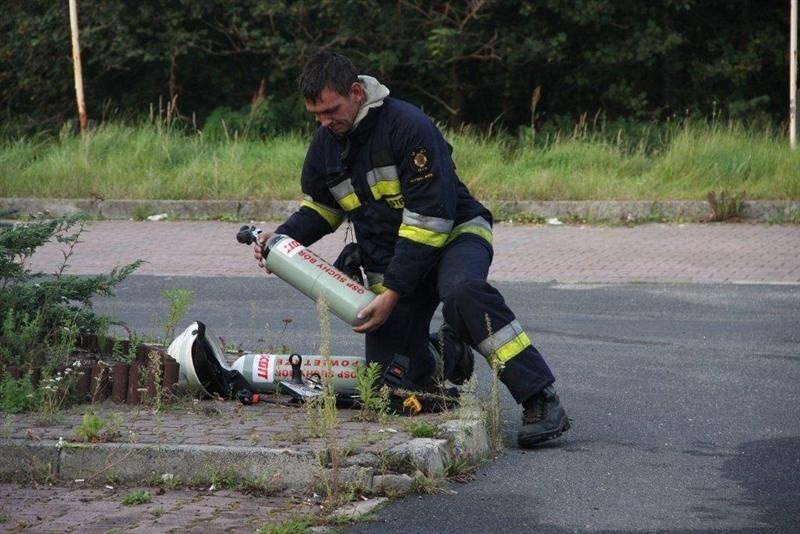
column 225, row 479
column 427, row 485
column 3, row 517
column 374, row 400
column 8, row 425
column 17, row 395
column 226, row 217
column 264, row 486
column 100, row 381
column 125, row 351
column 321, row 411
column 91, row 427
column 95, row 429
column 54, row 391
column 726, row 206
column 142, row 211
column 168, row 481
column 290, row 526
column 422, row 429
column 179, row 299
column 158, row 512
column 137, row 497
column 494, row 418
column 460, row 470
column 154, row 375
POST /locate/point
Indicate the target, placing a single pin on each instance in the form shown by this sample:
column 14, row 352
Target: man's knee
column 465, row 294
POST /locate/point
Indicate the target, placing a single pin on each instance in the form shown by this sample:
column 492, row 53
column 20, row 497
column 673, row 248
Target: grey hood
column 375, row 92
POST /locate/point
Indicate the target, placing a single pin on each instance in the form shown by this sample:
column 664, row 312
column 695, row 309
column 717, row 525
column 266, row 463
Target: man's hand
column 377, row 311
column 258, row 247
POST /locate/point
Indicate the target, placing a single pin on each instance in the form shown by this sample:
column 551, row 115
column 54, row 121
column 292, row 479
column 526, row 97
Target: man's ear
column 357, row 90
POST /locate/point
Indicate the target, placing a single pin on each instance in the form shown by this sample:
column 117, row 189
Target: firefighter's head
column 329, row 84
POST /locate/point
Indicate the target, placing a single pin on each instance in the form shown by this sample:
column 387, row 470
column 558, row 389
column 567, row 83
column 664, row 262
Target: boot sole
column 527, row 442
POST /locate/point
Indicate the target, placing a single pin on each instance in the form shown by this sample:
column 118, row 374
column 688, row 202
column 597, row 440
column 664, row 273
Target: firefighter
column 380, row 164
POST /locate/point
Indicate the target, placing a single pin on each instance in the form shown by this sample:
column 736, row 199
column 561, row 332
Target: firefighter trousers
column 475, row 311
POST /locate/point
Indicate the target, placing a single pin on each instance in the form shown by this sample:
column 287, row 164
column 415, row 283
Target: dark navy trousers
column 474, row 310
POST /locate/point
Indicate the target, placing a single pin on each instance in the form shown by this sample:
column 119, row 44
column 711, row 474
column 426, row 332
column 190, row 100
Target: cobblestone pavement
column 569, row 253
column 37, row 501
column 72, row 508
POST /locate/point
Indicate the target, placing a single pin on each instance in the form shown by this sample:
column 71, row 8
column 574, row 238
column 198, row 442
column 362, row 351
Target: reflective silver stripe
column 342, row 189
column 433, row 224
column 496, row 341
column 387, row 173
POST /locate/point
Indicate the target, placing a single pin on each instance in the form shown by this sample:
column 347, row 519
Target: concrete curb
column 776, row 211
column 278, row 469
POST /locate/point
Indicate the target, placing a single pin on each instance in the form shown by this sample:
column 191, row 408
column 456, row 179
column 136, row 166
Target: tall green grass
column 145, row 161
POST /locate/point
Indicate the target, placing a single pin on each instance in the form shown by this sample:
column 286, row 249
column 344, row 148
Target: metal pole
column 793, row 76
column 76, row 63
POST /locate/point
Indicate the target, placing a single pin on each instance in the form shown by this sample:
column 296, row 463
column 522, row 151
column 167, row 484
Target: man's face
column 337, row 112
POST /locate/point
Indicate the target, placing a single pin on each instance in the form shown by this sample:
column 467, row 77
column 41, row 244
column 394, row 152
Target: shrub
column 42, row 314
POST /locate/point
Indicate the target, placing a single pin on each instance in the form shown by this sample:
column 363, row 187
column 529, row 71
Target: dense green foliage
column 476, row 62
column 592, row 162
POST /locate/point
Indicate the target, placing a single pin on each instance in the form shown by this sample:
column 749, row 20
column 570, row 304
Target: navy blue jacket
column 393, row 177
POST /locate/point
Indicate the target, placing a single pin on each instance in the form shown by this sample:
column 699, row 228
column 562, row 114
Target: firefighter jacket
column 393, row 177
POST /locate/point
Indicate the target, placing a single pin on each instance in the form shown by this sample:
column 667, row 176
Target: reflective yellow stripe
column 345, row 195
column 385, row 188
column 422, row 236
column 477, row 225
column 349, row 202
column 513, row 347
column 333, row 217
column 377, row 288
column 383, row 182
column 470, row 229
column 375, row 282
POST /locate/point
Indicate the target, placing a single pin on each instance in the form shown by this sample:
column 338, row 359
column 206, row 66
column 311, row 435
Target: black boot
column 543, row 419
column 459, row 360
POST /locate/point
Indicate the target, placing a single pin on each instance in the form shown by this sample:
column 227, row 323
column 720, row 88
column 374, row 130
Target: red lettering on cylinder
column 290, row 246
column 263, row 367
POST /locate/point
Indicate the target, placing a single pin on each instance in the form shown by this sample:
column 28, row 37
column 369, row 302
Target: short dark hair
column 327, row 70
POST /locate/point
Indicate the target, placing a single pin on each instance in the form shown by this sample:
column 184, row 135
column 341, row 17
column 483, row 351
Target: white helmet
column 195, row 351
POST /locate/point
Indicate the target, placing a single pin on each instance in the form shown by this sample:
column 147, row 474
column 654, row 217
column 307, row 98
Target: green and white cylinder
column 264, row 371
column 314, row 277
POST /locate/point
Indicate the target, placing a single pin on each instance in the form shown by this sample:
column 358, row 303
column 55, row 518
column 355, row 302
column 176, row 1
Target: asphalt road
column 683, row 399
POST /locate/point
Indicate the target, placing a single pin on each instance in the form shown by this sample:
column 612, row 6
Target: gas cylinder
column 314, row 277
column 264, row 371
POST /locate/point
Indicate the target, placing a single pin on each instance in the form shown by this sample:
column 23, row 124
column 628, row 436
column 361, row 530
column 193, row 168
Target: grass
column 137, row 497
column 141, row 161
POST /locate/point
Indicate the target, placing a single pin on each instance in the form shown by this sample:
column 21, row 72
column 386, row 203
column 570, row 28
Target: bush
column 42, row 315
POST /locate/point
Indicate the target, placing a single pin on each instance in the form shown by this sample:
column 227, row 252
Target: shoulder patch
column 419, row 160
